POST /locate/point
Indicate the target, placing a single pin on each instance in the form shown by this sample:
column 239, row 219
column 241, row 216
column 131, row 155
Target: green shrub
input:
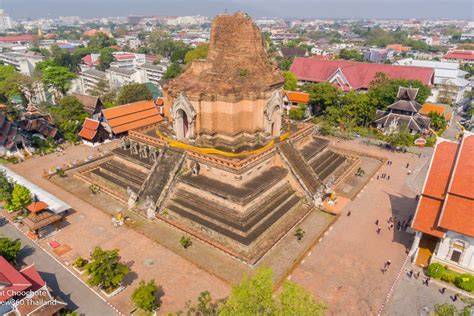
column 436, row 270
column 465, row 282
column 449, row 276
column 80, row 262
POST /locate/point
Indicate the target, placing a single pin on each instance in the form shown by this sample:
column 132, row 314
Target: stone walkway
column 90, row 227
column 344, row 269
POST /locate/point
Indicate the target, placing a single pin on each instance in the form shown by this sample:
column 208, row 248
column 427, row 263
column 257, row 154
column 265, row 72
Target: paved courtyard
column 344, row 269
column 412, row 297
column 89, row 227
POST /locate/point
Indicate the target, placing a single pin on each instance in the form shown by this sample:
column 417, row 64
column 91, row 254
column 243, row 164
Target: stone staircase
column 313, row 148
column 327, row 163
column 299, row 167
column 162, row 176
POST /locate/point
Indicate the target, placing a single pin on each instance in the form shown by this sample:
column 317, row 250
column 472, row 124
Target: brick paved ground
column 344, row 269
column 181, row 280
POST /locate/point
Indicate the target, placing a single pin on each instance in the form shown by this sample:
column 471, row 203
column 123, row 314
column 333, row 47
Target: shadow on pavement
column 24, row 253
column 403, row 210
column 52, row 282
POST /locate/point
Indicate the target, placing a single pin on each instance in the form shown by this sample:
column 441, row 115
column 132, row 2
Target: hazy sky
column 449, row 9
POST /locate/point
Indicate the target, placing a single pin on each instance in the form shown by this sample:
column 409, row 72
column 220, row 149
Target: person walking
column 376, row 222
column 443, row 290
column 389, row 262
column 349, row 213
column 388, row 177
column 408, row 165
column 378, row 230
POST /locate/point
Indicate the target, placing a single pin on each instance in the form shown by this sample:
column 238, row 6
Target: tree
column 322, row 95
column 20, row 198
column 19, row 84
column 290, row 81
column 400, row 138
column 438, row 122
column 452, row 310
column 383, row 90
column 57, row 77
column 354, row 109
column 105, row 269
column 106, row 58
column 144, row 296
column 161, row 43
column 199, row 52
column 172, row 71
column 295, row 300
column 285, row 63
column 68, row 116
column 252, row 296
column 9, row 249
column 100, row 40
column 134, row 92
column 351, row 54
column 6, row 187
column 62, row 57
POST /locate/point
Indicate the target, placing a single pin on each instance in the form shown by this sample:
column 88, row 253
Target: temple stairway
column 327, row 163
column 313, row 148
column 161, row 176
column 299, row 167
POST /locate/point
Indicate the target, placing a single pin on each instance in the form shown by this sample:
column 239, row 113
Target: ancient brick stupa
column 241, row 202
column 232, row 98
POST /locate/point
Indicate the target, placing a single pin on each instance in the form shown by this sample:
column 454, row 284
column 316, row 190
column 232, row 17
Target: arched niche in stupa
column 184, row 118
column 272, row 117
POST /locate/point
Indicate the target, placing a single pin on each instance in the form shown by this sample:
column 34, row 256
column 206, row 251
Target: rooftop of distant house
column 351, row 75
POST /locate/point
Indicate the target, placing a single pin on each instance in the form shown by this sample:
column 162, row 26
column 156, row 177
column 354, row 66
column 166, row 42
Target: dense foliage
column 20, row 198
column 200, row 52
column 105, row 269
column 9, row 249
column 134, row 92
column 144, row 295
column 291, row 82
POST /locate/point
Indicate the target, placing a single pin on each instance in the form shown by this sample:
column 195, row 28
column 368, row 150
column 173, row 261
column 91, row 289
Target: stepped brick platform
column 238, row 194
column 327, row 163
column 136, row 159
column 313, row 148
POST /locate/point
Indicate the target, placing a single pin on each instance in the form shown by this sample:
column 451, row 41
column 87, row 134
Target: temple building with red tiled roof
column 24, row 292
column 93, row 132
column 444, row 218
column 353, row 76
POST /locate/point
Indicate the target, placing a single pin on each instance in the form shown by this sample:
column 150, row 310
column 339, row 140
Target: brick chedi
column 237, row 200
column 232, row 97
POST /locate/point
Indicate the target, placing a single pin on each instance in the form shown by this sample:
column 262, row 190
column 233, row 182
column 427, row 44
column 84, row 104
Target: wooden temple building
column 39, row 217
column 223, row 165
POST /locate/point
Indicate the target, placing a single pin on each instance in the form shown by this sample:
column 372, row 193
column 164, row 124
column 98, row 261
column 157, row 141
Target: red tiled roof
column 427, row 216
column 32, row 275
column 458, row 214
column 463, row 177
column 17, row 38
column 89, row 129
column 359, row 75
column 17, row 281
column 37, row 206
column 299, row 97
column 124, row 56
column 448, row 196
column 460, row 54
column 131, row 116
column 440, row 170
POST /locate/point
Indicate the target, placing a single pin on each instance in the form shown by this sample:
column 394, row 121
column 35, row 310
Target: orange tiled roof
column 427, row 215
column 399, row 47
column 436, row 184
column 437, row 108
column 37, row 206
column 131, row 116
column 448, row 195
column 299, row 97
column 89, row 129
column 458, row 215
